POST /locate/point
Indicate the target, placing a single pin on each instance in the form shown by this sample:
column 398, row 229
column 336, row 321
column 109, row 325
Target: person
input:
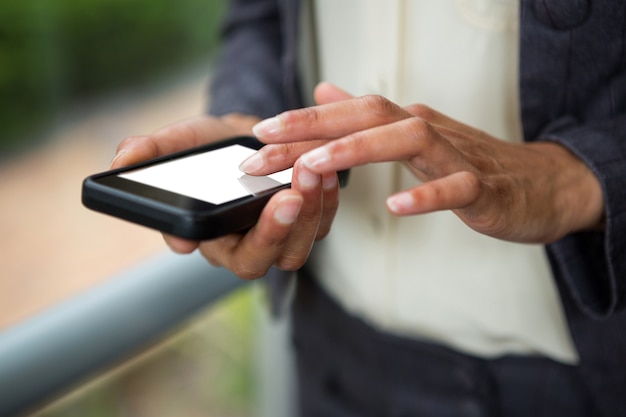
column 443, row 301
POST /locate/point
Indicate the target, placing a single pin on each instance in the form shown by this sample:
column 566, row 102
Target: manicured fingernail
column 308, row 179
column 268, row 127
column 117, row 156
column 253, row 164
column 315, row 158
column 288, row 210
column 401, row 202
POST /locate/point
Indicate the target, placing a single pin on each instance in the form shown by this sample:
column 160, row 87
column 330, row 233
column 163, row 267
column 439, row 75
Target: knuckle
column 178, row 130
column 472, row 184
column 284, row 154
column 378, row 104
column 353, row 144
column 131, row 141
column 211, row 259
column 308, row 116
column 417, row 124
column 290, row 262
column 246, row 272
column 420, row 131
column 422, row 111
column 425, row 146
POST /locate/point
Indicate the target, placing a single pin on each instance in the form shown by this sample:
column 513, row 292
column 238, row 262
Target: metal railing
column 62, row 347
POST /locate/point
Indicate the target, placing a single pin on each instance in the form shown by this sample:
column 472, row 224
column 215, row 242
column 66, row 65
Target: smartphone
column 196, row 194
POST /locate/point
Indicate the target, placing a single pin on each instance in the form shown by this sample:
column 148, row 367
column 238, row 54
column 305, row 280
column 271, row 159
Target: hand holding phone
column 197, row 194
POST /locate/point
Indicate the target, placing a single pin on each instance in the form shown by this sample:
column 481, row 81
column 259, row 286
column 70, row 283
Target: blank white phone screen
column 212, row 176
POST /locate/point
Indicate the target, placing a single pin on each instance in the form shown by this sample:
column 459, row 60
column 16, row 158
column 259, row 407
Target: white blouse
column 430, row 276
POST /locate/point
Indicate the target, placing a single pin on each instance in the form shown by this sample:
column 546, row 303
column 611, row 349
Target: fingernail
column 253, row 164
column 399, row 203
column 288, row 210
column 267, row 127
column 315, row 158
column 117, row 156
column 308, row 179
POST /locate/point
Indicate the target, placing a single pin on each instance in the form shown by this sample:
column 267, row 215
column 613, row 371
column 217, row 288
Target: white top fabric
column 430, row 276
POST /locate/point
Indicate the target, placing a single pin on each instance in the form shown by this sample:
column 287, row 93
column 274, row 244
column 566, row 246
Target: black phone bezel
column 170, row 212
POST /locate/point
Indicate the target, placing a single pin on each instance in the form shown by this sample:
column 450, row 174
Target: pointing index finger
column 412, row 139
column 329, row 121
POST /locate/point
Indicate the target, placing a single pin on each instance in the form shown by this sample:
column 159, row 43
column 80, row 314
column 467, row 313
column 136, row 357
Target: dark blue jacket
column 572, row 91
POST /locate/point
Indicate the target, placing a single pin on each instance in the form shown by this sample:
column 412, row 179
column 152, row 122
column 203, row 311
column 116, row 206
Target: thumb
column 326, row 92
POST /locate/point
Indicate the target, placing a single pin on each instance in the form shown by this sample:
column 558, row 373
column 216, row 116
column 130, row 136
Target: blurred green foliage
column 53, row 52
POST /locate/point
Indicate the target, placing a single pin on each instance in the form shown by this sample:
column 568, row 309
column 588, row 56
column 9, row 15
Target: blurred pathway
column 51, row 247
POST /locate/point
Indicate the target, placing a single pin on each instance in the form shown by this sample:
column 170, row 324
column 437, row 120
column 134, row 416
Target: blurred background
column 76, row 77
column 57, row 53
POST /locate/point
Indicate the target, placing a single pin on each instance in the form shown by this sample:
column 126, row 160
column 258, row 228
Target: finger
column 134, row 149
column 274, row 158
column 411, row 140
column 326, row 92
column 185, row 134
column 455, row 191
column 265, row 245
column 306, row 228
column 434, row 117
column 330, row 204
column 179, row 245
column 329, row 121
column 251, row 255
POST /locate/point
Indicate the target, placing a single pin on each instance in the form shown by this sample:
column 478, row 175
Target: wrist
column 580, row 195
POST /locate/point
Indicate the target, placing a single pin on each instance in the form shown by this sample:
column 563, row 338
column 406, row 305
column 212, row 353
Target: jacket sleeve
column 593, row 264
column 248, row 74
column 573, row 92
